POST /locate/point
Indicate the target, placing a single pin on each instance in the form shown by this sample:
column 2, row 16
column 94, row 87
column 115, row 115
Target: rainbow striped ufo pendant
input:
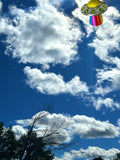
column 94, row 8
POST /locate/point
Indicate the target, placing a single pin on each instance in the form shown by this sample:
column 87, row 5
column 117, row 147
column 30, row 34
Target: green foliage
column 8, row 143
column 98, row 158
column 34, row 147
column 116, row 158
column 28, row 147
column 1, row 139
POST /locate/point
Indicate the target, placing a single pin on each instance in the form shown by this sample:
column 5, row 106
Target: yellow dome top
column 93, row 3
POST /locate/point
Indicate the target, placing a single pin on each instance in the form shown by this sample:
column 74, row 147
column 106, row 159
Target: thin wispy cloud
column 108, row 81
column 111, row 75
column 107, row 102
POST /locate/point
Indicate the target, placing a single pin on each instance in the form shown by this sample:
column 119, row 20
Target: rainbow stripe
column 96, row 20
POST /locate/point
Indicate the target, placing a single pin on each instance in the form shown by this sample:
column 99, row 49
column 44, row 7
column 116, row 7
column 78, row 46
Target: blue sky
column 49, row 57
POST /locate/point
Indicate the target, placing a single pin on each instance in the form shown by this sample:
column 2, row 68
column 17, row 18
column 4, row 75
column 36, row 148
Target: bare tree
column 50, row 135
column 30, row 130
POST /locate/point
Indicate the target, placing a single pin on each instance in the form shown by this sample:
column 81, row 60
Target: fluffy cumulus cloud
column 90, row 153
column 111, row 75
column 107, row 102
column 89, row 127
column 85, row 127
column 50, row 83
column 41, row 36
column 49, row 124
column 107, row 39
column 93, row 152
column 18, row 130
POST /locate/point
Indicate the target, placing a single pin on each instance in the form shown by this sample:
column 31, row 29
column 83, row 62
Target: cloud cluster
column 66, row 127
column 50, row 83
column 45, row 36
column 41, row 36
column 85, row 127
column 108, row 81
column 90, row 153
column 107, row 39
column 106, row 43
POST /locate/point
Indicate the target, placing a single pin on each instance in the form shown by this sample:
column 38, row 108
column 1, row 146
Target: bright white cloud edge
column 52, row 84
column 90, row 153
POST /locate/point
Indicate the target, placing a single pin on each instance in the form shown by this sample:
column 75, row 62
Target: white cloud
column 85, row 127
column 49, row 123
column 105, row 42
column 90, row 153
column 93, row 152
column 50, row 83
column 89, row 127
column 0, row 5
column 50, row 2
column 108, row 81
column 111, row 75
column 107, row 39
column 18, row 130
column 118, row 122
column 107, row 102
column 99, row 90
column 24, row 123
column 41, row 36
